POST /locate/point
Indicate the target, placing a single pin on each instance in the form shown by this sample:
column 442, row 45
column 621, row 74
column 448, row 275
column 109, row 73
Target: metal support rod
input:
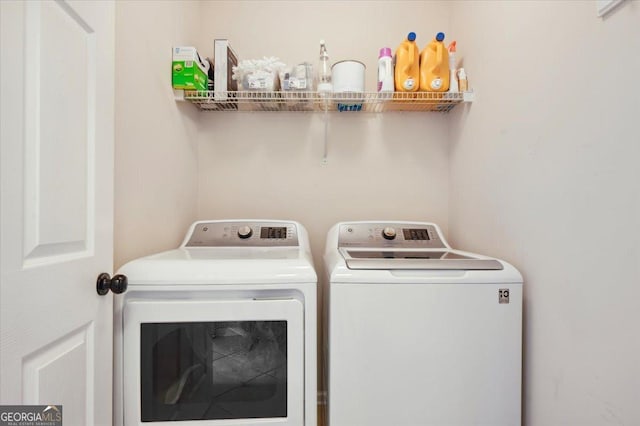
column 326, row 137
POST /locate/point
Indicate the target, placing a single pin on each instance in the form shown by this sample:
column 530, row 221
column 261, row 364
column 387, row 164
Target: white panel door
column 56, row 164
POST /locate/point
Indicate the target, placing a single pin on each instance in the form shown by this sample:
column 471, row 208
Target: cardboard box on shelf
column 189, row 71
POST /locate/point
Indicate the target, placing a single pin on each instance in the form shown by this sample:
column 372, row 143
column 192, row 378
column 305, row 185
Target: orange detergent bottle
column 407, row 69
column 434, row 66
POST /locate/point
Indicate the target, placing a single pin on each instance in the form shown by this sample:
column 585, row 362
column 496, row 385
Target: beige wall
column 156, row 146
column 544, row 173
column 270, row 165
column 292, row 29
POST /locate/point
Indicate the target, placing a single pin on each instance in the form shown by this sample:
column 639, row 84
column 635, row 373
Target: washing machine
column 220, row 331
column 420, row 334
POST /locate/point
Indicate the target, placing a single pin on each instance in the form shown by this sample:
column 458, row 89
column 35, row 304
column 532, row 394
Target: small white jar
column 348, row 76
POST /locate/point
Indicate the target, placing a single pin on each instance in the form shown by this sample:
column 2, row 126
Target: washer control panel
column 392, row 235
column 243, row 234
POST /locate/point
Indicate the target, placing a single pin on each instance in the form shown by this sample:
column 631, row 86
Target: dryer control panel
column 390, row 235
column 243, row 234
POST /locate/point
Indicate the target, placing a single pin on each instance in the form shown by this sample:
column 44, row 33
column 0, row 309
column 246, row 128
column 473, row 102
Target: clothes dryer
column 221, row 331
column 420, row 333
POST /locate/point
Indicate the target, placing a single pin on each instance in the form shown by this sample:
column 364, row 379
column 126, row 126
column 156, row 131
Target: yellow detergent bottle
column 434, row 66
column 407, row 69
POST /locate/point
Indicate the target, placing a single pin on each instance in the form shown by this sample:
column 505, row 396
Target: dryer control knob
column 389, row 233
column 244, row 232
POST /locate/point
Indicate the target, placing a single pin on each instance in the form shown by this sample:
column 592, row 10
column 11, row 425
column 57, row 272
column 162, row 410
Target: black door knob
column 118, row 284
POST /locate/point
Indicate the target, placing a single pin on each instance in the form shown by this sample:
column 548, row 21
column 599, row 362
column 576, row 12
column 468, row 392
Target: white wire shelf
column 314, row 101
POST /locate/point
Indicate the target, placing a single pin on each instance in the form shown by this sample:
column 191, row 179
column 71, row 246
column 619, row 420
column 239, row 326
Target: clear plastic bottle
column 324, row 70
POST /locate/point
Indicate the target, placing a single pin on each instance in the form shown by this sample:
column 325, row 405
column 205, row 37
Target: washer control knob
column 389, row 233
column 244, row 232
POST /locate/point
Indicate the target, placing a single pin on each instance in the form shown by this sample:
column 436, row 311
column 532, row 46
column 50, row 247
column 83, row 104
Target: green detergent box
column 189, row 71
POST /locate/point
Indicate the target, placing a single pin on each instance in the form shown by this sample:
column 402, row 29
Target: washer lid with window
column 229, row 252
column 426, row 259
column 404, row 246
column 403, row 252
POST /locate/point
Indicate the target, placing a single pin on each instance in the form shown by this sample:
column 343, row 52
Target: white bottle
column 453, row 77
column 385, row 71
column 324, row 70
